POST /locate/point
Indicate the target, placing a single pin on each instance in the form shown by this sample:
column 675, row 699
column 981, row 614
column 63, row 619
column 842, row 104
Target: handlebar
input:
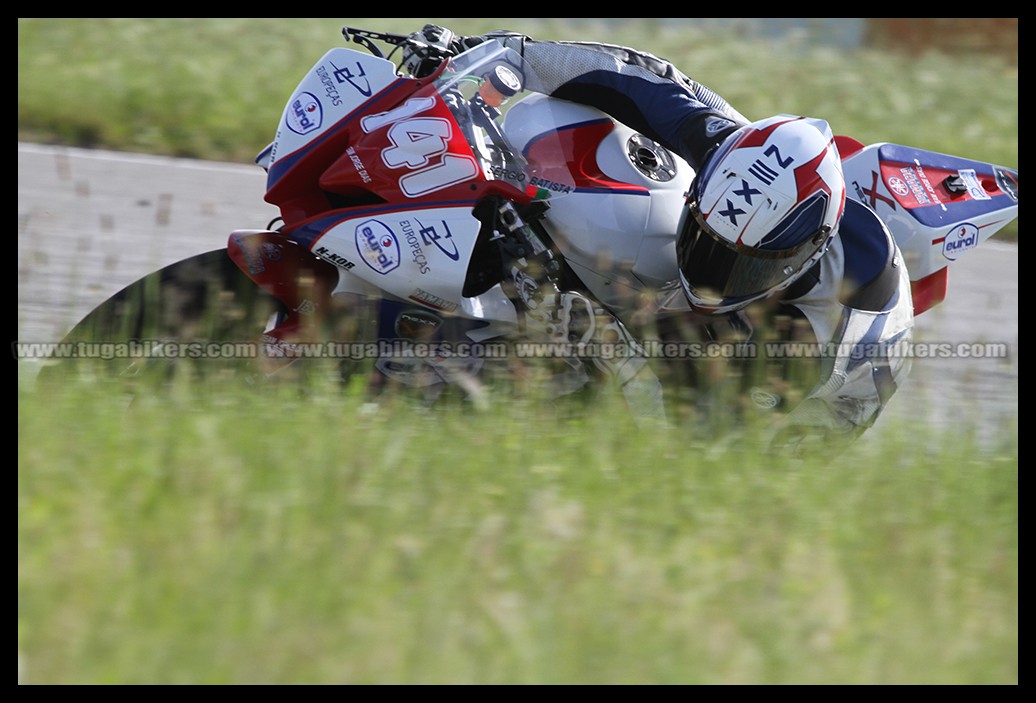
column 364, row 38
column 423, row 51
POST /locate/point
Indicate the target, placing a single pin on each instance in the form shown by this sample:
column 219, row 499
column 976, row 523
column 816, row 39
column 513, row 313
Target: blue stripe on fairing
column 956, row 210
column 610, row 191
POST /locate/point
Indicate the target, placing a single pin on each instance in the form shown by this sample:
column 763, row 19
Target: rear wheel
column 203, row 308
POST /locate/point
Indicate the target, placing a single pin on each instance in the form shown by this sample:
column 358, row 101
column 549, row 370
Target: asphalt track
column 91, row 222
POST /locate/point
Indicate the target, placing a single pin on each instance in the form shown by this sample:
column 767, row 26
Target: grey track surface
column 91, row 222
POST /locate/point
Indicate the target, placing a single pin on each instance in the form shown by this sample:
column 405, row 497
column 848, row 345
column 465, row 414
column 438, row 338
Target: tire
column 171, row 316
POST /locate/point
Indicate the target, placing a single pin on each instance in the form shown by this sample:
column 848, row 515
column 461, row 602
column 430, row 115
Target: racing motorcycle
column 406, row 200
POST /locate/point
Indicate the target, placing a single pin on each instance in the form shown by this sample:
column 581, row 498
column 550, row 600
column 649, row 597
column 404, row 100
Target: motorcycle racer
column 766, row 225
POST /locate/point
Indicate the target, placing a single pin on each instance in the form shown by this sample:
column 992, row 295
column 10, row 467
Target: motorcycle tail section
column 938, row 207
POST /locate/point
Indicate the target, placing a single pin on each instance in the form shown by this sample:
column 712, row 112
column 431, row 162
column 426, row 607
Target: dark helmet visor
column 723, row 272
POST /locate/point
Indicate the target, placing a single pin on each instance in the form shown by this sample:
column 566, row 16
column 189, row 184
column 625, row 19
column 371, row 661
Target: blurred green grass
column 216, row 534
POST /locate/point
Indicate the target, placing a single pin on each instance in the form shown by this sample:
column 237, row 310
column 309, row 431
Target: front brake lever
column 363, row 37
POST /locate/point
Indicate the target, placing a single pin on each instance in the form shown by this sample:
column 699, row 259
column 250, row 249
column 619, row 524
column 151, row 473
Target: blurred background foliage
column 214, row 88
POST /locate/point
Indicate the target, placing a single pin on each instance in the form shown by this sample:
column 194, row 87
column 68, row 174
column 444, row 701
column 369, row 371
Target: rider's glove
column 423, row 51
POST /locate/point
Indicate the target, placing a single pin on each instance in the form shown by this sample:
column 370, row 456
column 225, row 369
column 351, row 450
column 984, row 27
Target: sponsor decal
column 416, row 324
column 358, row 165
column 357, row 80
column 871, row 195
column 432, row 300
column 305, row 114
column 258, row 253
column 715, row 125
column 416, row 252
column 507, row 174
column 962, row 238
column 329, row 87
column 1007, row 181
column 897, row 186
column 973, row 184
column 904, row 181
column 271, row 251
column 928, row 187
column 552, row 186
column 377, row 246
column 442, row 238
column 339, row 261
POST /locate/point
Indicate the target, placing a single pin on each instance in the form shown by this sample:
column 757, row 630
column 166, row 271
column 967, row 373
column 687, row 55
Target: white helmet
column 763, row 210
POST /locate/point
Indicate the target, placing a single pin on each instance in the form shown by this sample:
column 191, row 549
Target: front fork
column 576, row 325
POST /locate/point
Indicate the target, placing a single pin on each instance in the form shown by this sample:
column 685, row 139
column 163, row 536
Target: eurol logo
column 377, row 246
column 961, row 238
column 304, row 114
